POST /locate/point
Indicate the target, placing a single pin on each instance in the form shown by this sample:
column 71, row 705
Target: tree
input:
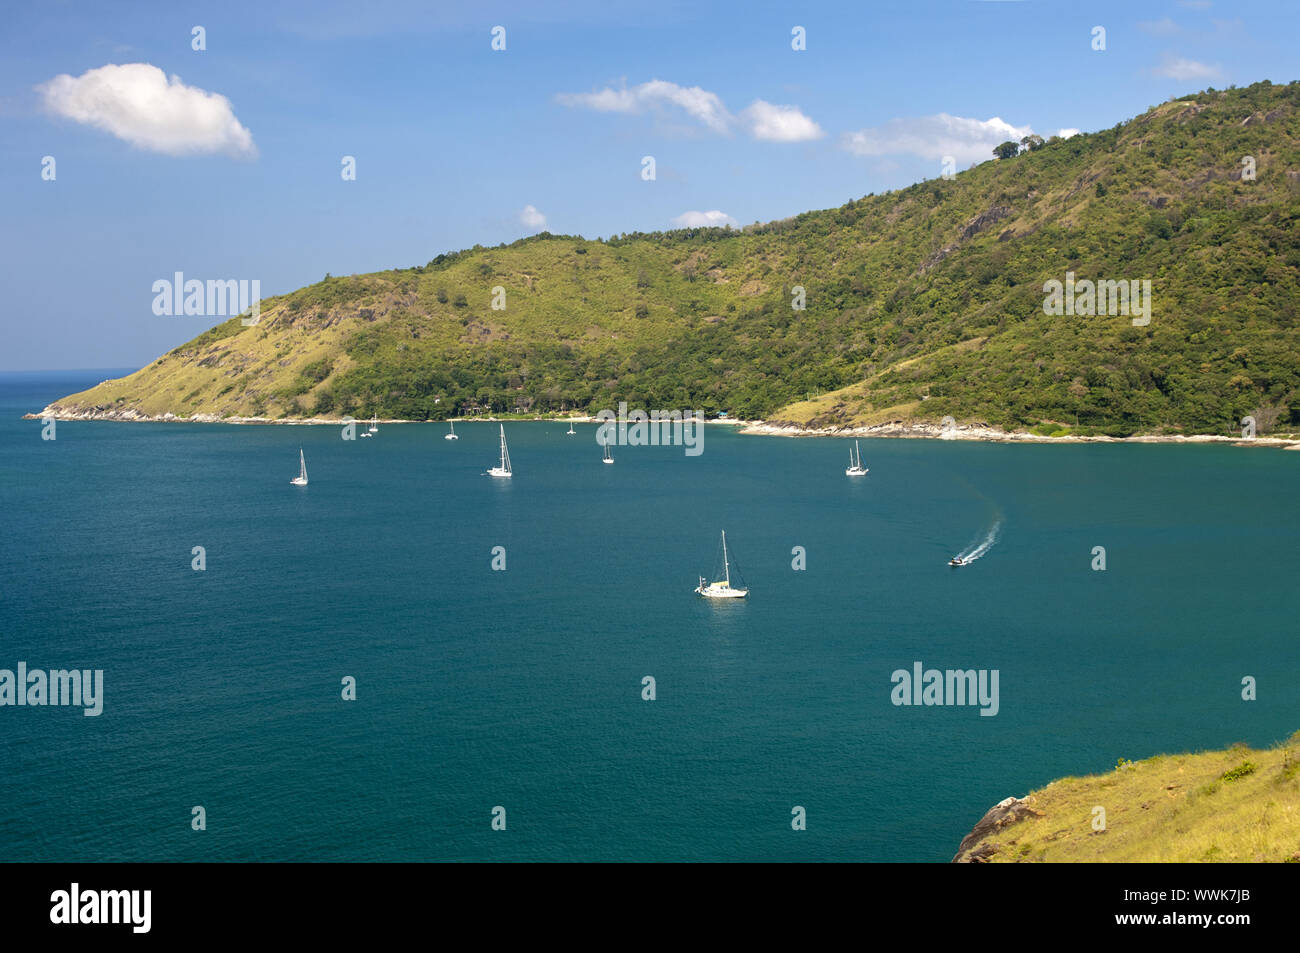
column 1032, row 142
column 1006, row 150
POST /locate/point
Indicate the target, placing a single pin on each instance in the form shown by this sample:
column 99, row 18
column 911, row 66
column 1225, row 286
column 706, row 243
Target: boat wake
column 974, row 552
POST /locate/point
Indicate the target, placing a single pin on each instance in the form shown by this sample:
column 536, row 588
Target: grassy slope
column 1168, row 808
column 920, row 303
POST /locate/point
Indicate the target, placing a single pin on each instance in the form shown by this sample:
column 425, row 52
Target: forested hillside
column 919, row 303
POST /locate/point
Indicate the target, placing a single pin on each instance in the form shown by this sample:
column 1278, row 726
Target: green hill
column 1237, row 805
column 920, row 303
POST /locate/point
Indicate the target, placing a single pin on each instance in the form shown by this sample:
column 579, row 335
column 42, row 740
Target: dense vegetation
column 919, row 303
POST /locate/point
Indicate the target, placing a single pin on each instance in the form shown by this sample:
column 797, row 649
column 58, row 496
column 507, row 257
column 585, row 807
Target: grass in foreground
column 1238, row 805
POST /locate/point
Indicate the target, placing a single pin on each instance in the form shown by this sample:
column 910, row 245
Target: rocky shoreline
column 904, row 430
column 894, row 429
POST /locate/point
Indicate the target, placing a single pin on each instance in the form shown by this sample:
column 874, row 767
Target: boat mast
column 726, row 567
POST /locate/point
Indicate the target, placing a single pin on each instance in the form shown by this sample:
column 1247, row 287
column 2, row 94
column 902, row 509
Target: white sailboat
column 452, row 435
column 301, row 478
column 855, row 467
column 723, row 589
column 571, row 430
column 503, row 470
column 609, row 454
column 373, row 429
column 374, row 424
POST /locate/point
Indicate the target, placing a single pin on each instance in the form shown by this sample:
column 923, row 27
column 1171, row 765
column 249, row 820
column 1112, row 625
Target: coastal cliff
column 1236, row 805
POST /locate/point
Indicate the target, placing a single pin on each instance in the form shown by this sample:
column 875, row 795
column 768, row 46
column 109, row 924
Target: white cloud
column 1067, row 133
column 699, row 104
column 1162, row 27
column 531, row 218
column 714, row 219
column 779, row 123
column 933, row 137
column 138, row 103
column 1180, row 68
column 762, row 120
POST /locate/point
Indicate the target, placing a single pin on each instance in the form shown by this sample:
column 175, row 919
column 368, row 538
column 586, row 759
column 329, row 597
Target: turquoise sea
column 522, row 688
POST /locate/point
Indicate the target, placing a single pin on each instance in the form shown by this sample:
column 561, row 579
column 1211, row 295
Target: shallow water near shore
column 523, row 688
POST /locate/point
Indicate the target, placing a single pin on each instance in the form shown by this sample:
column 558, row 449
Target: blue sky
column 453, row 141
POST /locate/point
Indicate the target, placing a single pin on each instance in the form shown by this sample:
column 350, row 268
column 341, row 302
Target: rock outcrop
column 974, row 849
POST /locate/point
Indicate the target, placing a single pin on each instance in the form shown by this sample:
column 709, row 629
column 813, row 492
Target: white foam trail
column 985, row 545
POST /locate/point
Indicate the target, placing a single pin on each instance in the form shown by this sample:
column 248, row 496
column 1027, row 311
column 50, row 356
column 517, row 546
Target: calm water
column 522, row 688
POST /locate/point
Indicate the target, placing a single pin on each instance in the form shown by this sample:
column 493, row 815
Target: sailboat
column 571, row 430
column 723, row 589
column 374, row 429
column 609, row 455
column 855, row 467
column 504, row 469
column 452, row 435
column 301, row 478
